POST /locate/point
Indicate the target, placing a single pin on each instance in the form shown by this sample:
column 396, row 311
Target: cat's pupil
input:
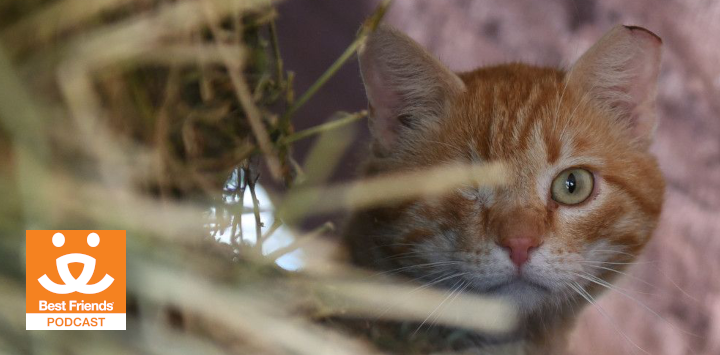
column 570, row 183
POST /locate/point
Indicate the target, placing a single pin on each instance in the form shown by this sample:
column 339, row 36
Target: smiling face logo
column 75, row 279
column 81, row 283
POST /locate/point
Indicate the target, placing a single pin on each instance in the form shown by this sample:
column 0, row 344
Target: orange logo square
column 75, row 279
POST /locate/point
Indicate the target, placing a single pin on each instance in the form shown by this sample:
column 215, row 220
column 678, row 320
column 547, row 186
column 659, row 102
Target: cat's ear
column 620, row 74
column 407, row 88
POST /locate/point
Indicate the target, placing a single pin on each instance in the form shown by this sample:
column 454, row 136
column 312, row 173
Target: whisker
column 557, row 108
column 425, row 276
column 437, row 280
column 583, row 100
column 617, row 262
column 464, row 285
column 418, row 266
column 438, row 306
column 610, row 251
column 677, row 286
column 609, row 286
column 623, row 273
column 655, row 268
column 412, row 254
column 584, row 294
column 390, row 245
column 406, row 255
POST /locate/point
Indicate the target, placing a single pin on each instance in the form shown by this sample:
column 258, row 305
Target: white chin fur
column 525, row 296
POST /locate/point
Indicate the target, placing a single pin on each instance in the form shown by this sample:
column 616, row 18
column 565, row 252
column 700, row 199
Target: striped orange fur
column 598, row 116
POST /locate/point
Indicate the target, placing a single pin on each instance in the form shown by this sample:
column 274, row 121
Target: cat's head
column 582, row 193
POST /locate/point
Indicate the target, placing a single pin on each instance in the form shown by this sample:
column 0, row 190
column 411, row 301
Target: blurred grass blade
column 366, row 29
column 388, row 189
column 342, row 120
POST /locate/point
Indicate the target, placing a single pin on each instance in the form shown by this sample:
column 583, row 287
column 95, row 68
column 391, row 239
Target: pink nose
column 520, row 248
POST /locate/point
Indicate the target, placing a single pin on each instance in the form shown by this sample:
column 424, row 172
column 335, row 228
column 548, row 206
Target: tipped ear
column 407, row 87
column 620, row 74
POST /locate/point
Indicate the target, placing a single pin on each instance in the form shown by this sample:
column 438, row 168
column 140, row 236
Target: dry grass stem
column 389, row 189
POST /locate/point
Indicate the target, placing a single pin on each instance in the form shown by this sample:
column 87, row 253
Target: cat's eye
column 572, row 186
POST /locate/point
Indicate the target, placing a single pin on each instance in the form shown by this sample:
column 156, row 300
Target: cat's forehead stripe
column 509, row 117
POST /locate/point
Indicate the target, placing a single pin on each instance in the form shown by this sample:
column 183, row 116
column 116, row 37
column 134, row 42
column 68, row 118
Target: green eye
column 572, row 186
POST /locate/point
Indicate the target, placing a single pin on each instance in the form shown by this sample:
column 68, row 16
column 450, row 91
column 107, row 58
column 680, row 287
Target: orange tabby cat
column 582, row 196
